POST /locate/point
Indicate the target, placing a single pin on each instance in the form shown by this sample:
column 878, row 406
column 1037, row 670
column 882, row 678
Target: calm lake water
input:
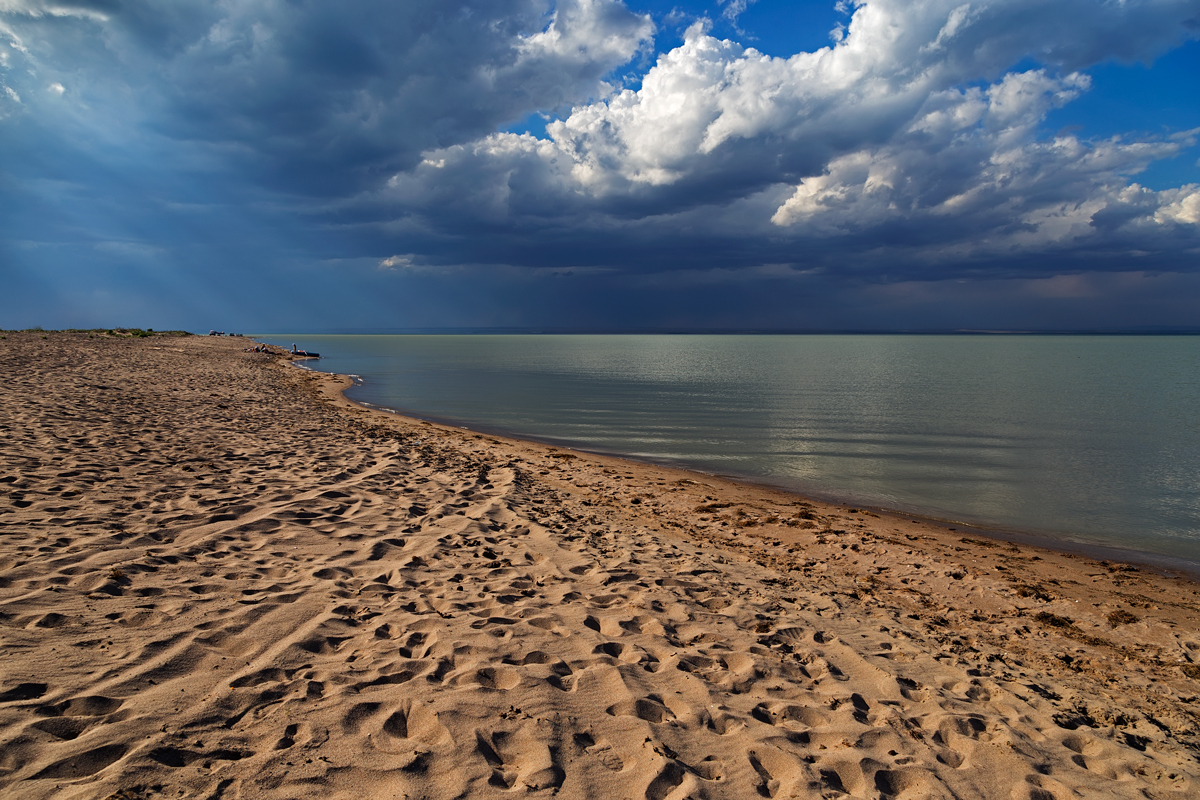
column 1084, row 439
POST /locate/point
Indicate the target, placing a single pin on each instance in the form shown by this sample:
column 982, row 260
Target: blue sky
column 892, row 165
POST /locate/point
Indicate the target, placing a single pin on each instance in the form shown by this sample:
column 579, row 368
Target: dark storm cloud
column 321, row 98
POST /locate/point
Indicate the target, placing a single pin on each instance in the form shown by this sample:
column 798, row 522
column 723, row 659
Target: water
column 1085, row 439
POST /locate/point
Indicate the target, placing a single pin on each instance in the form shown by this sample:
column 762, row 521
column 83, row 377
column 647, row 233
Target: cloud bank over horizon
column 369, row 165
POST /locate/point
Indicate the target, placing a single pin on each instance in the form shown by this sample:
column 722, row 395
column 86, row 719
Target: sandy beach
column 221, row 579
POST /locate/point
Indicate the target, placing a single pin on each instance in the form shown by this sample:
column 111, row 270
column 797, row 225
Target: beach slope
column 218, row 578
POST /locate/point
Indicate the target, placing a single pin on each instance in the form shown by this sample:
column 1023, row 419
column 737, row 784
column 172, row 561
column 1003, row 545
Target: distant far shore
column 536, row 330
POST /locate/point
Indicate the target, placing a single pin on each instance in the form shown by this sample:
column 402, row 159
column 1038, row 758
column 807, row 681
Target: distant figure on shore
column 303, row 353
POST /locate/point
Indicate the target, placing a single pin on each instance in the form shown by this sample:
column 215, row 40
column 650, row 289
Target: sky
column 374, row 165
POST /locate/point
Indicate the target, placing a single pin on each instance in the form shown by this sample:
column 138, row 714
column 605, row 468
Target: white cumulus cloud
column 1180, row 205
column 911, row 130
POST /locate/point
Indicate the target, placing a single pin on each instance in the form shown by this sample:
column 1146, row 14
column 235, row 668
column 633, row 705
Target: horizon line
column 691, row 331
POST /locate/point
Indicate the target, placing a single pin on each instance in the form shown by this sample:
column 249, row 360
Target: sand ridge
column 218, row 578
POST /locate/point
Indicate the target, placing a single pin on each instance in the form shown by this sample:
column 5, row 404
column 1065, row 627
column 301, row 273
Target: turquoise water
column 1087, row 439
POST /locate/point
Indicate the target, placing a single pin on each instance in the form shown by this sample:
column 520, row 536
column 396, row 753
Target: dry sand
column 219, row 579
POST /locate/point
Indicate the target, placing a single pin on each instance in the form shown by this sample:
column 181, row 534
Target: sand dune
column 219, row 579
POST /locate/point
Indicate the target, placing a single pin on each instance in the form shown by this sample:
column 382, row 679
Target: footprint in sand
column 177, row 757
column 649, row 709
column 83, row 764
column 911, row 689
column 1093, row 756
column 1040, row 787
column 498, row 678
column 93, row 706
column 721, row 722
column 387, row 631
column 520, row 759
column 710, row 769
column 398, row 724
column 779, row 773
column 23, row 691
column 600, row 750
column 413, row 723
column 321, row 645
column 270, row 675
column 289, row 737
column 358, row 715
column 65, row 728
column 623, row 653
column 908, row 783
column 562, row 677
column 603, row 625
column 673, row 782
column 384, row 548
column 952, row 728
column 793, row 717
column 417, row 645
column 51, row 620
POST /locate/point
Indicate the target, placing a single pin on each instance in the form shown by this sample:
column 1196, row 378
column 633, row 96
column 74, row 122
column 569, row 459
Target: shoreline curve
column 1166, row 565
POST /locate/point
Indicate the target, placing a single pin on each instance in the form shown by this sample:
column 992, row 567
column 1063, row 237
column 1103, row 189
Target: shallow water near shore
column 1083, row 439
